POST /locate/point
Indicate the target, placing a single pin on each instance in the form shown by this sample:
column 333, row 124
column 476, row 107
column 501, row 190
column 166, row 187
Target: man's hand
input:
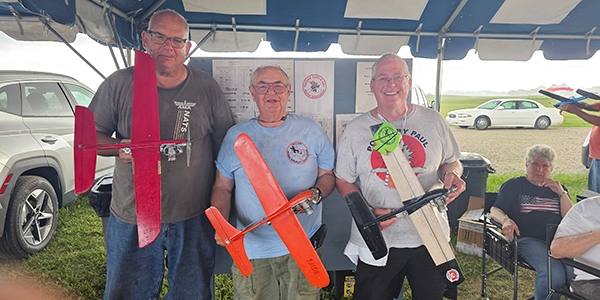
column 124, row 156
column 509, row 227
column 219, row 241
column 452, row 179
column 571, row 108
column 382, row 211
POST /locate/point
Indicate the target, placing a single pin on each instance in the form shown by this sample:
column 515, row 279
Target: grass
column 449, row 103
column 74, row 264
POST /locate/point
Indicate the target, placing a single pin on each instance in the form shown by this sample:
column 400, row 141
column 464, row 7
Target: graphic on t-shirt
column 183, row 119
column 297, row 153
column 412, row 149
column 534, row 203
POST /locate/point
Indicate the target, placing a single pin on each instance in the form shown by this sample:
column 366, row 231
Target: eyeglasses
column 543, row 166
column 397, row 79
column 160, row 39
column 263, row 88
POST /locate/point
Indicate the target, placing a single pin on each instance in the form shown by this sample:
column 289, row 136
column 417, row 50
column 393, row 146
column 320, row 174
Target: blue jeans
column 535, row 252
column 133, row 273
column 594, row 176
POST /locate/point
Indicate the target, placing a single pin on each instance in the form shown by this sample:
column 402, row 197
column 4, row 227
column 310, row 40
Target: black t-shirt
column 532, row 207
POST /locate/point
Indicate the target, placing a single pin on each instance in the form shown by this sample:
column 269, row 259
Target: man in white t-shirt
column 578, row 237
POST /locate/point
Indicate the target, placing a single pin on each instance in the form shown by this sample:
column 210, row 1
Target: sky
column 468, row 74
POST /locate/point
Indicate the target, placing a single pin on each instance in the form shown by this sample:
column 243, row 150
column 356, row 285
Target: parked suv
column 36, row 156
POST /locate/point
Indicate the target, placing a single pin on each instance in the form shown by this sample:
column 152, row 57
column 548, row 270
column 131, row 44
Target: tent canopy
column 497, row 29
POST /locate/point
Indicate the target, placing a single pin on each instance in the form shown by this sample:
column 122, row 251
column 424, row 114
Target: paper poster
column 314, row 82
column 365, row 99
column 234, row 78
column 341, row 121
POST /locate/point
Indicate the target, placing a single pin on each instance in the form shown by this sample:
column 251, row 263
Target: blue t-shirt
column 294, row 152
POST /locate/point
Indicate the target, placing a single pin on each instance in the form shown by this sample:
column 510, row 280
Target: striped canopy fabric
column 497, row 29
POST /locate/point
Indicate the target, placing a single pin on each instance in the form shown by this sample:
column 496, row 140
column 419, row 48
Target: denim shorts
column 134, row 273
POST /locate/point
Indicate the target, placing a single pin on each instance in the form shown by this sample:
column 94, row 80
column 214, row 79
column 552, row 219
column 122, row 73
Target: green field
column 450, row 103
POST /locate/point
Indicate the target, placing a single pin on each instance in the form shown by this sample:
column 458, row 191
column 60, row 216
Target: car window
column 82, row 95
column 509, row 105
column 45, row 99
column 527, row 105
column 489, row 105
column 10, row 99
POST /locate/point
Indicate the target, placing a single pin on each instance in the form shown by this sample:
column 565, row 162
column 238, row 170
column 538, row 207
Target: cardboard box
column 470, row 229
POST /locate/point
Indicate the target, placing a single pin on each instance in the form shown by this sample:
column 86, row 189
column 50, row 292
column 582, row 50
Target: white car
column 506, row 113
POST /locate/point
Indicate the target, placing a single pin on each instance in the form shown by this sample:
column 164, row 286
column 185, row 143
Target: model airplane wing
column 279, row 214
column 146, row 160
column 574, row 101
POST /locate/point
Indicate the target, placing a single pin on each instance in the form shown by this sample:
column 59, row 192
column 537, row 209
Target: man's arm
column 325, row 182
column 509, row 227
column 105, row 139
column 592, row 119
column 450, row 174
column 573, row 246
column 221, row 198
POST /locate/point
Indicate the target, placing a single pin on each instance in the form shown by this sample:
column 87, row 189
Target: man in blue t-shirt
column 301, row 157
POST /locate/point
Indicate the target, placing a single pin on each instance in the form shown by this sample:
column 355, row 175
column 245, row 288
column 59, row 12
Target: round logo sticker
column 297, row 153
column 452, row 275
column 314, row 86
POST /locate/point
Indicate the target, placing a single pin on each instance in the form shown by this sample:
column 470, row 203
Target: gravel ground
column 506, row 148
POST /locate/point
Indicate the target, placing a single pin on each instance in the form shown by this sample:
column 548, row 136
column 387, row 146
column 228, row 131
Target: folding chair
column 550, row 231
column 502, row 251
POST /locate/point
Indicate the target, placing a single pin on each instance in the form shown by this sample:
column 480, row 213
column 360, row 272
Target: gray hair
column 541, row 151
column 385, row 57
column 285, row 75
column 171, row 12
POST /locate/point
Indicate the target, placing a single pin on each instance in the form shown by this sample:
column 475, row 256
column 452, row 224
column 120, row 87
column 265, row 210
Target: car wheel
column 482, row 123
column 542, row 123
column 463, row 126
column 31, row 218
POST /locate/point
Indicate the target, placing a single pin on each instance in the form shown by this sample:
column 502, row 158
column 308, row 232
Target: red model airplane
column 146, row 148
column 279, row 212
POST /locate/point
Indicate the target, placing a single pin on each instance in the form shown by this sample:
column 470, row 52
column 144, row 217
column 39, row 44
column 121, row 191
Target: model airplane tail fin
column 362, row 215
column 234, row 242
column 85, row 149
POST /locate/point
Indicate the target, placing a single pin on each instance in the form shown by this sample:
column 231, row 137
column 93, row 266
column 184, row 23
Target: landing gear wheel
column 31, row 218
column 482, row 123
column 542, row 123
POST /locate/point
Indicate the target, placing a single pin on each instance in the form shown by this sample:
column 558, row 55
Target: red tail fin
column 85, row 149
column 232, row 238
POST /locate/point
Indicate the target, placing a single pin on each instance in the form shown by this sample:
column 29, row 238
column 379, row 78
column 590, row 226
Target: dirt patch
column 506, row 148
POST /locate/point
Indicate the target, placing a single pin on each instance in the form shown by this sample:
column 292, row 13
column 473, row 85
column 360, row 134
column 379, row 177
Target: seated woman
column 525, row 205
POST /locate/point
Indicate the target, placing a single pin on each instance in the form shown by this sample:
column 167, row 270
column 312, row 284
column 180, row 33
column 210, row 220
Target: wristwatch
column 319, row 197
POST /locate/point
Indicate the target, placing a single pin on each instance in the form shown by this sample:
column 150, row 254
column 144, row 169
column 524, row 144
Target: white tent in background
column 563, row 90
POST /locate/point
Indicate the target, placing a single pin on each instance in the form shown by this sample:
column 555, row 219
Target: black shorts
column 381, row 283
